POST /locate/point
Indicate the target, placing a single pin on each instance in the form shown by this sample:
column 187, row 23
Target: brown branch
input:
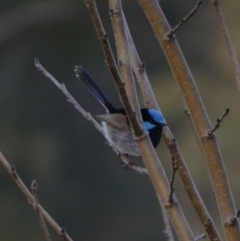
column 12, row 171
column 36, row 208
column 217, row 125
column 140, row 72
column 230, row 46
column 172, row 145
column 192, row 99
column 103, row 37
column 170, row 33
column 129, row 101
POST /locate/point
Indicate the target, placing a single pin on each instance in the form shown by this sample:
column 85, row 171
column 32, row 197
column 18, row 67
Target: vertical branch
column 199, row 116
column 140, row 71
column 123, row 54
column 230, row 46
column 103, row 37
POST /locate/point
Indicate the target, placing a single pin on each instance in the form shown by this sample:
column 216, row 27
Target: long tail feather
column 86, row 79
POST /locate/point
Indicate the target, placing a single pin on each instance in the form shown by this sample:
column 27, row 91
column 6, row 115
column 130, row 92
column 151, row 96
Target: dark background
column 81, row 183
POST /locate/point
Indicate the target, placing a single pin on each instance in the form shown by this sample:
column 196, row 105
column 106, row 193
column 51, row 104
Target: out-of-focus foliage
column 80, row 180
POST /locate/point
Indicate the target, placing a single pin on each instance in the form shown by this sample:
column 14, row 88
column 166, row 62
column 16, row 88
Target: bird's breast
column 120, row 139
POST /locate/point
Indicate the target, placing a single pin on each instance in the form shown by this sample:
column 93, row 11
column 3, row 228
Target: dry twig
column 217, row 125
column 36, row 208
column 170, row 33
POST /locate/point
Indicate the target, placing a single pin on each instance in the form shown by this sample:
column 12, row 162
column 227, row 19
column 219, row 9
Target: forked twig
column 170, row 34
column 36, row 208
column 217, row 125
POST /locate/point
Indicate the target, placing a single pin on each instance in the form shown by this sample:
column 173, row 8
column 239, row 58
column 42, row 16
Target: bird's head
column 152, row 118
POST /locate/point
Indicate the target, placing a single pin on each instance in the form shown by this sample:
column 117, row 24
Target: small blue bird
column 115, row 123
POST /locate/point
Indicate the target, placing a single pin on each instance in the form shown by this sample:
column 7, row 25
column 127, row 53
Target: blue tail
column 86, row 79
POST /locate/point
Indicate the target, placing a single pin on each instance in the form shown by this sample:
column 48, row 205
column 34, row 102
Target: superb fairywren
column 115, row 123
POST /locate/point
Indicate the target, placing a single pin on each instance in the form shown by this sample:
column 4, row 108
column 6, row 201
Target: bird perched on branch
column 115, row 123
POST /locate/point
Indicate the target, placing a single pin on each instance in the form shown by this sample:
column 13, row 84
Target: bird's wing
column 116, row 120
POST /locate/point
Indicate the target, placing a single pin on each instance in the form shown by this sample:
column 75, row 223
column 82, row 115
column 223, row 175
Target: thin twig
column 217, row 125
column 170, row 34
column 171, row 181
column 36, row 208
column 69, row 96
column 88, row 116
column 12, row 171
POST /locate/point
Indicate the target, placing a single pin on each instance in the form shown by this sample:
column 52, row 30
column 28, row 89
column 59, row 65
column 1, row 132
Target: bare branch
column 12, row 171
column 230, row 46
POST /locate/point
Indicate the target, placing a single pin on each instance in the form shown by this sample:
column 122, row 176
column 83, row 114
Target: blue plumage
column 115, row 123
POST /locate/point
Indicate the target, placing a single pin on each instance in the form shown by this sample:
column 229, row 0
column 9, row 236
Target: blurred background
column 81, row 182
